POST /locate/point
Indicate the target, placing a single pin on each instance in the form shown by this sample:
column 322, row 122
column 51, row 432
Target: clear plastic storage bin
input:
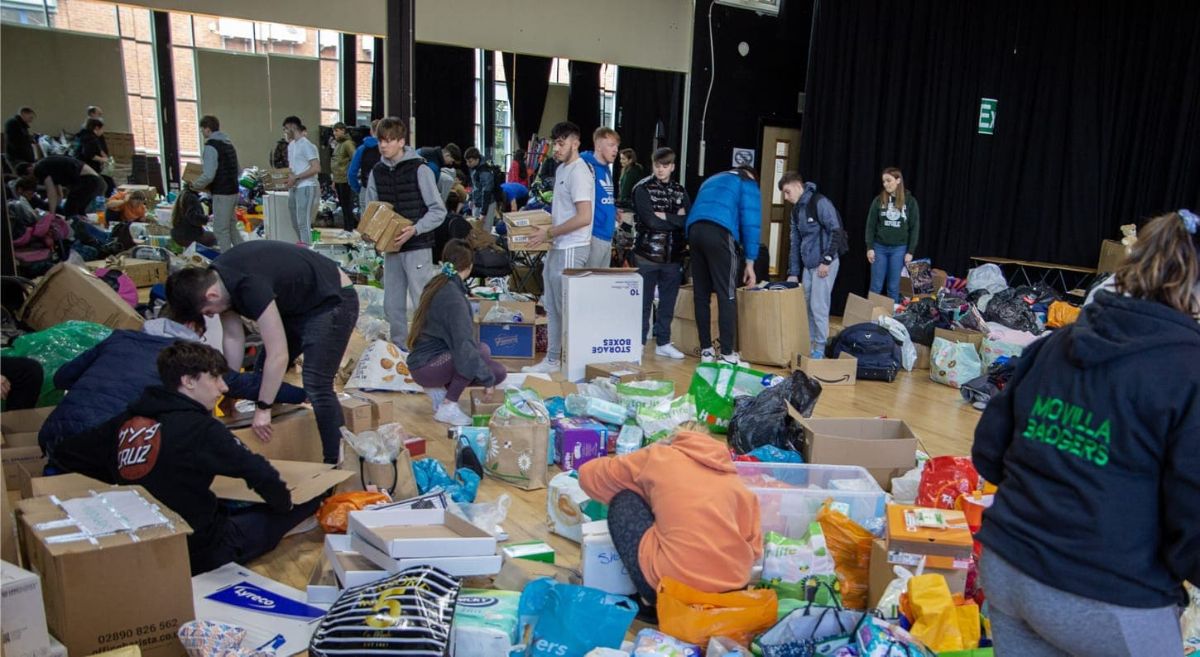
column 791, row 494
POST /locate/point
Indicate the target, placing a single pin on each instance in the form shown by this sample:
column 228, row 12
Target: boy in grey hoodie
column 220, row 177
column 400, row 179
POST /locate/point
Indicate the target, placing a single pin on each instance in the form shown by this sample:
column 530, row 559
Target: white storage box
column 24, row 614
column 457, row 566
column 602, row 318
column 602, row 566
column 791, row 494
column 277, row 218
column 351, row 568
column 404, row 534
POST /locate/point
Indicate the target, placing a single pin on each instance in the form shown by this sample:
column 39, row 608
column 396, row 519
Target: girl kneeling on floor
column 678, row 509
column 445, row 357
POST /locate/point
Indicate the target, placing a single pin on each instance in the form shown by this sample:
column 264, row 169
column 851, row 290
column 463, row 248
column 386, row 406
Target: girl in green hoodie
column 893, row 225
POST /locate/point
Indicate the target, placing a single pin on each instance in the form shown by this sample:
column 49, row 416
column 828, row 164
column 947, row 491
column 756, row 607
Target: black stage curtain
column 649, row 112
column 377, row 99
column 443, row 93
column 1096, row 126
column 532, row 79
column 583, row 105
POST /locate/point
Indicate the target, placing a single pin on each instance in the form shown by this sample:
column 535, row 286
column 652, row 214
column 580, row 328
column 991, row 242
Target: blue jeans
column 889, row 260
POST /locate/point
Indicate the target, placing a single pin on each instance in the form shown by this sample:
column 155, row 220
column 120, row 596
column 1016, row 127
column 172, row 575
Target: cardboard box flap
column 546, row 388
column 240, row 420
column 71, row 484
column 304, row 480
column 69, row 292
column 43, row 516
column 30, row 421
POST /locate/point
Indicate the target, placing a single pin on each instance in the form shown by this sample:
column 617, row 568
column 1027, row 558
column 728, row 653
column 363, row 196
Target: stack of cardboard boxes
column 522, row 225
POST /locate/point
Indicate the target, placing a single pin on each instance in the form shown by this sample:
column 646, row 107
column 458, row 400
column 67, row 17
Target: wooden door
column 781, row 153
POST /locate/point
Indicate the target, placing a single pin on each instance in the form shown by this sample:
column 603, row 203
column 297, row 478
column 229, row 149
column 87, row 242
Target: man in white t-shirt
column 305, row 164
column 570, row 236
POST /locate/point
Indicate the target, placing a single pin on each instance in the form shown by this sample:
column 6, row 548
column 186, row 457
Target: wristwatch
column 262, row 405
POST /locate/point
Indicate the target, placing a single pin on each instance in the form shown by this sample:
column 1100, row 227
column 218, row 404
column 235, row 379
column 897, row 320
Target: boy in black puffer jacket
column 660, row 206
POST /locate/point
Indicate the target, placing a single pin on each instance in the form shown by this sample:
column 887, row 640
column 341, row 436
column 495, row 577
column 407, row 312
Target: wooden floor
column 937, row 413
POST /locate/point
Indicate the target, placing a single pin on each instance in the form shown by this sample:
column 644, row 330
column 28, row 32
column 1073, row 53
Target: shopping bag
column 383, row 366
column 567, row 620
column 772, row 325
column 850, row 545
column 876, row 637
column 934, row 616
column 944, row 479
column 807, row 633
column 801, row 569
column 519, row 443
column 695, row 616
column 335, row 511
column 953, row 363
column 1060, row 314
column 715, row 385
column 993, row 349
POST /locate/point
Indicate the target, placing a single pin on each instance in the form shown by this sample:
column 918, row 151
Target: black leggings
column 629, row 518
column 252, row 532
column 714, row 269
column 25, row 377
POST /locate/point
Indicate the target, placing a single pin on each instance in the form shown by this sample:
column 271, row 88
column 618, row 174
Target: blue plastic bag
column 773, row 454
column 570, row 620
column 431, row 474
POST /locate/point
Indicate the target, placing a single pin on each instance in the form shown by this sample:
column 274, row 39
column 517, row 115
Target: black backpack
column 877, row 351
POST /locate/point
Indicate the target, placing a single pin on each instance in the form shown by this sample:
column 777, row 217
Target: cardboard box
column 578, row 440
column 294, row 435
column 522, row 243
column 305, row 481
column 511, row 341
column 601, row 564
column 880, row 572
column 602, row 318
column 484, row 404
column 840, row 371
column 1112, row 254
column 381, row 225
column 685, row 335
column 622, row 372
column 549, row 387
column 772, row 326
column 383, row 405
column 8, row 531
column 886, row 448
column 192, row 172
column 71, row 292
column 923, row 355
column 421, row 533
column 20, row 431
column 120, row 145
column 939, row 281
column 954, row 335
column 150, row 191
column 22, row 612
column 323, row 587
column 527, row 310
column 275, row 180
column 143, row 273
column 350, row 568
column 532, row 550
column 945, row 551
column 528, row 219
column 150, row 576
column 516, row 573
column 357, row 413
column 860, row 311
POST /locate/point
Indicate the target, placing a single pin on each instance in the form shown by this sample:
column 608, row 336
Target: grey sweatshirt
column 449, row 327
column 210, row 161
column 435, row 213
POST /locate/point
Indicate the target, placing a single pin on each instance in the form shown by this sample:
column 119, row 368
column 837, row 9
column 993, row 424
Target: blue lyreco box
column 509, row 340
column 578, row 440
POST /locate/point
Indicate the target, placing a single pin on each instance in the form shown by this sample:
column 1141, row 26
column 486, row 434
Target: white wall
column 556, row 108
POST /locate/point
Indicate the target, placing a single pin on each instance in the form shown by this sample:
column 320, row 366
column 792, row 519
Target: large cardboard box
column 684, row 333
column 860, row 311
column 120, row 145
column 20, row 431
column 305, row 481
column 945, row 551
column 772, row 325
column 192, row 172
column 1112, row 254
column 145, row 571
column 71, row 292
column 143, row 273
column 602, row 318
column 886, row 448
column 840, row 371
column 939, row 281
column 955, row 335
column 22, row 613
column 294, row 435
column 275, row 180
column 381, row 225
column 8, row 531
column 622, row 372
column 923, row 354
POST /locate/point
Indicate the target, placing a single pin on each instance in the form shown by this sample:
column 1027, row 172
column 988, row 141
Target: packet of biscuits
column 383, row 366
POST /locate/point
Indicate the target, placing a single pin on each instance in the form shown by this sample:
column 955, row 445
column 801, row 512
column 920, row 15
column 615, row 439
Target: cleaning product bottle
column 605, row 411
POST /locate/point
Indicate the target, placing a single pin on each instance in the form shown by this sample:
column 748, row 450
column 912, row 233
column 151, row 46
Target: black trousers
column 82, row 193
column 346, row 203
column 715, row 266
column 25, row 377
column 250, row 533
column 629, row 518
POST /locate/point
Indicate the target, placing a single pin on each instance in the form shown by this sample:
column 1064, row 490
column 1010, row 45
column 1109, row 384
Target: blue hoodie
column 734, row 203
column 356, row 161
column 604, row 210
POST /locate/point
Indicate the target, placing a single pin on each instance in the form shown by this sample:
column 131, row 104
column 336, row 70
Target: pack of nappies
column 485, row 622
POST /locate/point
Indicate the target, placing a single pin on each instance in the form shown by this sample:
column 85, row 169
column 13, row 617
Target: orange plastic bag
column 695, row 616
column 850, row 546
column 334, row 514
column 1061, row 313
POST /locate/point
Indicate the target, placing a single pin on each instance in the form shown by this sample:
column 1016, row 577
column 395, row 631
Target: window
column 608, row 95
column 83, row 16
column 364, row 77
column 560, row 71
column 141, row 77
column 331, row 78
column 502, row 116
column 24, row 12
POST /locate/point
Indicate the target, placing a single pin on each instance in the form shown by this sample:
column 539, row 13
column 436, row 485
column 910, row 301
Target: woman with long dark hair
column 893, row 226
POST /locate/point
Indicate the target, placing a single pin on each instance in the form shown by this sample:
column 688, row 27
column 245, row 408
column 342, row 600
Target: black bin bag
column 764, row 419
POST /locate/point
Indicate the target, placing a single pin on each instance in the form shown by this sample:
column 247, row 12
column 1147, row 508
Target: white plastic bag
column 1190, row 621
column 986, row 277
column 383, row 366
column 487, row 516
column 889, row 603
column 953, row 363
column 908, row 351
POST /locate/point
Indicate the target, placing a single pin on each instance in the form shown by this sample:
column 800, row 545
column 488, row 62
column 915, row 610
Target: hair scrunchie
column 1190, row 221
column 449, row 270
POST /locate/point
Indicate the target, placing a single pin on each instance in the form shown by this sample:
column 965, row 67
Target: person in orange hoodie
column 678, row 509
column 126, row 207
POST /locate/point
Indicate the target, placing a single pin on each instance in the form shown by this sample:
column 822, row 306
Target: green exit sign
column 987, row 116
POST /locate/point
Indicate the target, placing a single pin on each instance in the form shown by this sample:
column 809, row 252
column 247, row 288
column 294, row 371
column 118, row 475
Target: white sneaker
column 732, row 359
column 437, row 396
column 669, row 351
column 547, row 366
column 708, row 356
column 450, row 413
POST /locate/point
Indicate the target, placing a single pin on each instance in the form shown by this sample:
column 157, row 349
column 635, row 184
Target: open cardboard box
column 20, row 430
column 69, row 292
column 351, row 568
column 323, row 587
column 467, row 566
column 862, row 311
column 906, row 286
column 622, row 372
column 421, row 533
column 143, row 273
column 886, row 448
column 555, row 386
column 295, row 435
column 955, row 335
column 840, row 371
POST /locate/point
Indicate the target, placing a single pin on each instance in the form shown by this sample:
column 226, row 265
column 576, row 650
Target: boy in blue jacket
column 727, row 214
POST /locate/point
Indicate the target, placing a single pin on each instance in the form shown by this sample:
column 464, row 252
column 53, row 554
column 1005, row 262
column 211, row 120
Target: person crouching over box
column 169, row 443
column 678, row 509
column 445, row 357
